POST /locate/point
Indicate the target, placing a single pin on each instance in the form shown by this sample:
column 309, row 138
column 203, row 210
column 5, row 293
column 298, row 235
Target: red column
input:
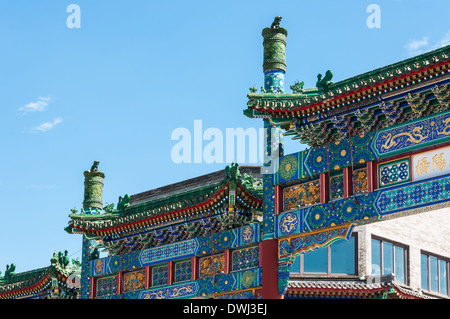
column 227, row 261
column 93, row 292
column 278, row 199
column 347, row 182
column 324, row 193
column 371, row 176
column 148, row 277
column 194, row 274
column 268, row 259
column 119, row 282
column 171, row 273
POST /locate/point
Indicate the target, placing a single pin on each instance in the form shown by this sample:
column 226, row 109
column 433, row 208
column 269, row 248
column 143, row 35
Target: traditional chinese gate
column 378, row 149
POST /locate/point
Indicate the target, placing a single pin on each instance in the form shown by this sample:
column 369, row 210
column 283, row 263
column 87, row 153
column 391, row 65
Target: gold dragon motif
column 446, row 129
column 414, row 137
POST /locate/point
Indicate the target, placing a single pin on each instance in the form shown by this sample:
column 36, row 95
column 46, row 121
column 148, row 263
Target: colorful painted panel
column 207, row 286
column 106, row 286
column 431, row 164
column 131, row 261
column 361, row 148
column 211, row 265
column 360, row 181
column 154, row 255
column 288, row 168
column 337, row 187
column 412, row 135
column 300, row 195
column 340, row 212
column 317, row 160
column 238, row 295
column 183, row 271
column 98, row 267
column 134, row 280
column 233, row 281
column 413, row 195
column 308, row 242
column 337, row 155
column 186, row 290
column 393, row 173
column 160, row 275
column 245, row 258
column 289, row 223
column 268, row 206
column 248, row 234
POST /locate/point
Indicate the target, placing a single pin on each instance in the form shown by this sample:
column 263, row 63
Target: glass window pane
column 424, row 271
column 433, row 274
column 388, row 258
column 296, row 264
column 376, row 257
column 400, row 264
column 316, row 261
column 443, row 277
column 343, row 257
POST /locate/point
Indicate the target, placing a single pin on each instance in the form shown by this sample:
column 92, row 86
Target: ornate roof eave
column 35, row 281
column 143, row 215
column 315, row 101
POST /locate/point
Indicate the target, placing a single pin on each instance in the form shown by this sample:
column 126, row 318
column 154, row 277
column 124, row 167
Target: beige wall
column 429, row 231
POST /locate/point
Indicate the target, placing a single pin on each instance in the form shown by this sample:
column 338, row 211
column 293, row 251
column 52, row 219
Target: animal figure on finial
column 276, row 23
column 94, row 167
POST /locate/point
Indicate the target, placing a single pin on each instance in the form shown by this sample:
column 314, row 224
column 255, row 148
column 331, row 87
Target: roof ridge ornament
column 325, row 82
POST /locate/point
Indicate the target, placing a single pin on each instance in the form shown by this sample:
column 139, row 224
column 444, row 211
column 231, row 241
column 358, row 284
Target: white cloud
column 44, row 127
column 443, row 42
column 423, row 45
column 415, row 45
column 38, row 106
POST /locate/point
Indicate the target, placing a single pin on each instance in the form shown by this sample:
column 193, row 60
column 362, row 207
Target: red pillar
column 371, row 176
column 119, row 282
column 171, row 273
column 348, row 182
column 324, row 194
column 278, row 199
column 93, row 285
column 227, row 261
column 194, row 273
column 148, row 275
column 268, row 259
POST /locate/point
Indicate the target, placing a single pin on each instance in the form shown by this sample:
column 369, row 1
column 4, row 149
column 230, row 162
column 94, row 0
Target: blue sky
column 115, row 89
